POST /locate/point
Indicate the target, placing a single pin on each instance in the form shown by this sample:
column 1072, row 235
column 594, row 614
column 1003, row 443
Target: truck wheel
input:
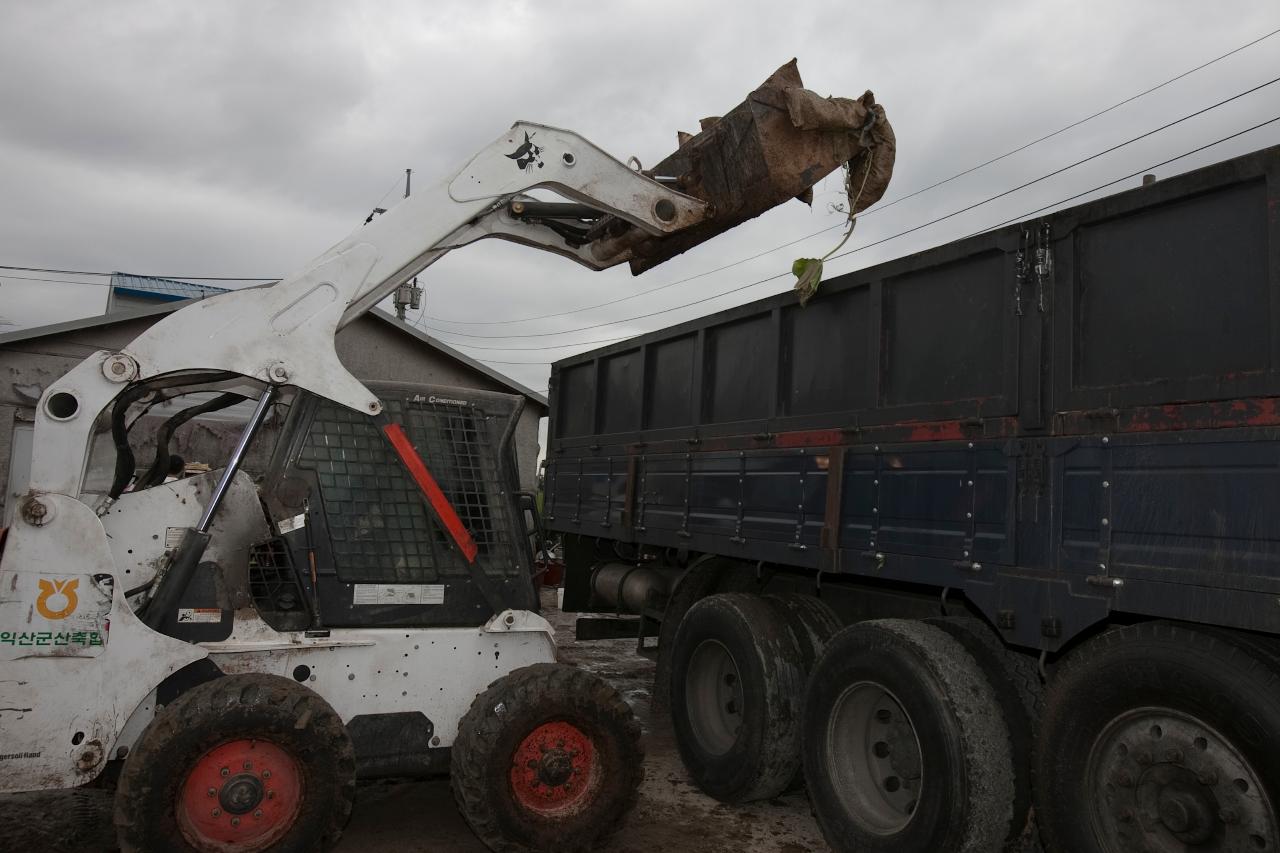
column 811, row 620
column 1160, row 737
column 736, row 681
column 548, row 758
column 1016, row 680
column 901, row 748
column 243, row 763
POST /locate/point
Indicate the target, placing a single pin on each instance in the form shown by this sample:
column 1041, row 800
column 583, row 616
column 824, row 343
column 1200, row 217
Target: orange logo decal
column 66, row 589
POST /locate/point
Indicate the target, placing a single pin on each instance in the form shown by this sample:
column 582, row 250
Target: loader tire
column 548, row 758
column 901, row 748
column 736, row 683
column 244, row 762
column 1019, row 695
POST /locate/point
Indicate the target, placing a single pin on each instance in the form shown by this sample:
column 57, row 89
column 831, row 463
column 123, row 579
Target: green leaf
column 808, row 273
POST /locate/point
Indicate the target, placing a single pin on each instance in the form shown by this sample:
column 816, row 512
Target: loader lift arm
column 775, row 145
column 284, row 334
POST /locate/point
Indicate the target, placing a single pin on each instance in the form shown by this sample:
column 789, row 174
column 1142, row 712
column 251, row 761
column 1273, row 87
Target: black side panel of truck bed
column 1063, row 418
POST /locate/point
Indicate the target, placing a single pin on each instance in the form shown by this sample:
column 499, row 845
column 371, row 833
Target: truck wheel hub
column 1189, row 815
column 1163, row 780
column 555, row 770
column 242, row 795
column 875, row 758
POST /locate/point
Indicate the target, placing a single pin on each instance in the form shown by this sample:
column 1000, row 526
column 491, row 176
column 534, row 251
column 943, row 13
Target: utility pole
column 407, row 295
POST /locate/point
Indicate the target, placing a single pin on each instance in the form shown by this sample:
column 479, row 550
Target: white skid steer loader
column 231, row 653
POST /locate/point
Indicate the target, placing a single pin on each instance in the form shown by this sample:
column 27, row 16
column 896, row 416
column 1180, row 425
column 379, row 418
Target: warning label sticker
column 199, row 614
column 288, row 525
column 398, row 593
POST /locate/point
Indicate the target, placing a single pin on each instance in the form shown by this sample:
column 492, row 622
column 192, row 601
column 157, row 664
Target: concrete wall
column 371, row 348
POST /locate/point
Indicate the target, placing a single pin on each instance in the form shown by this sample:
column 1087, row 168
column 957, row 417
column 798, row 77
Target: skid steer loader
column 232, row 653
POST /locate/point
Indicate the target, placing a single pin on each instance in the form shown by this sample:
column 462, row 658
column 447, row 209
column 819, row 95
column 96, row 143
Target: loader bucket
column 774, row 146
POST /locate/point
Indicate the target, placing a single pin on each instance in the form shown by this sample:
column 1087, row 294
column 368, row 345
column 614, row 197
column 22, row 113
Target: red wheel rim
column 243, row 795
column 555, row 770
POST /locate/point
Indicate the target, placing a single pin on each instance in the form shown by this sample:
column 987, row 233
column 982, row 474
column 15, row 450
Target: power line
column 424, row 316
column 54, row 280
column 1076, row 124
column 911, row 230
column 1127, row 177
column 879, row 208
column 108, row 274
column 546, row 347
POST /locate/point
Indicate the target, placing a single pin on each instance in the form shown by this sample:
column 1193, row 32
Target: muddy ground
column 672, row 815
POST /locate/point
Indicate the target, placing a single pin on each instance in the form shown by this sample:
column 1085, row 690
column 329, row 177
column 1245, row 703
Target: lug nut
column 271, row 795
column 266, row 774
column 1173, row 756
column 235, row 821
column 257, row 813
column 1124, row 779
column 213, row 792
column 248, row 765
column 216, row 812
column 1208, row 777
column 225, row 772
column 1229, row 815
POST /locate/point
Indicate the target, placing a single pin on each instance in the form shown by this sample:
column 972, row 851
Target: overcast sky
column 242, row 139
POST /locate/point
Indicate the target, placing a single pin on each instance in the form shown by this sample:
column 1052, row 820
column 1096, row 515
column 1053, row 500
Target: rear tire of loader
column 548, row 758
column 901, row 748
column 736, row 683
column 244, row 762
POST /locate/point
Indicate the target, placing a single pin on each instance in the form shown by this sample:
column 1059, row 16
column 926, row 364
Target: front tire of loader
column 547, row 759
column 245, row 763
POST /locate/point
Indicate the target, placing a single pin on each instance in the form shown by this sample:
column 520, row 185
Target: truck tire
column 736, row 683
column 901, row 748
column 548, row 758
column 812, row 621
column 244, row 762
column 705, row 576
column 1019, row 695
column 1160, row 737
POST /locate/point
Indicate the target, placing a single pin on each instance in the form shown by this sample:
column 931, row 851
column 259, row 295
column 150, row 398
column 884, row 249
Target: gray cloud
column 243, row 139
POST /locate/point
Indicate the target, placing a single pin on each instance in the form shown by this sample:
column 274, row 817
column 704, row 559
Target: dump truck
column 227, row 653
column 983, row 532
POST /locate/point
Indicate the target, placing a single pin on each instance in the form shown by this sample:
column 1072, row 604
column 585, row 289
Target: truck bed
column 1061, row 419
